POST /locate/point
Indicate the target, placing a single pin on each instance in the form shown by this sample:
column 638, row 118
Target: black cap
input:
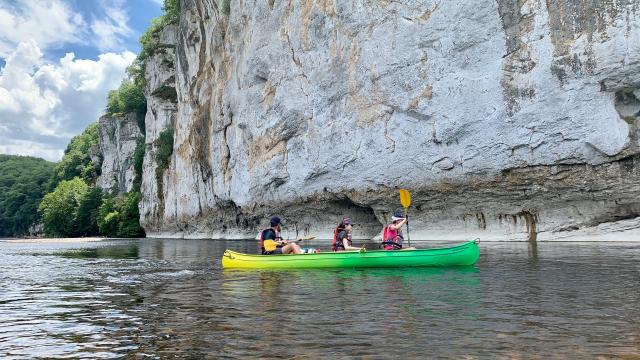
column 275, row 221
column 347, row 221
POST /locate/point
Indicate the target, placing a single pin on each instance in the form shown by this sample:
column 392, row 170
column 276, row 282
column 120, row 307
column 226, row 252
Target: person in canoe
column 392, row 237
column 342, row 236
column 271, row 236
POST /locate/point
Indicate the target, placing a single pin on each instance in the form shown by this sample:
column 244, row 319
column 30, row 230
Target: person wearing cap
column 342, row 237
column 392, row 237
column 273, row 233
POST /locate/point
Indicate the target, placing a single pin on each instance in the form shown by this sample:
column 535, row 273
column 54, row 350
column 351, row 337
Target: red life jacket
column 391, row 239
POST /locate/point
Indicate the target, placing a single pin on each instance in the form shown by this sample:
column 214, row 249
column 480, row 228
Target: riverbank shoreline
column 54, row 240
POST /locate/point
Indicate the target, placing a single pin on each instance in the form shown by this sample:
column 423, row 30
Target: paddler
column 342, row 236
column 273, row 233
column 392, row 237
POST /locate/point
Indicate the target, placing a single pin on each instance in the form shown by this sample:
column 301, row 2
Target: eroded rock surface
column 118, row 137
column 161, row 96
column 506, row 119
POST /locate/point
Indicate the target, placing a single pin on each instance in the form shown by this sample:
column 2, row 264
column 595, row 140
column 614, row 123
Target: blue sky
column 58, row 60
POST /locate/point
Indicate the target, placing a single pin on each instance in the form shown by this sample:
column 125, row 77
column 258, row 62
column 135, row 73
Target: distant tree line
column 23, row 182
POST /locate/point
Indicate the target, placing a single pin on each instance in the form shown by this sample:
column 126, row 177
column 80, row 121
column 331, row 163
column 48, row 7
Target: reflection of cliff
column 507, row 120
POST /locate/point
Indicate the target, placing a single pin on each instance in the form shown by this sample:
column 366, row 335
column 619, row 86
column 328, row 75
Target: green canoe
column 461, row 255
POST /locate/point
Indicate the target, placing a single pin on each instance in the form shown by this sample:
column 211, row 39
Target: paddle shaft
column 406, row 214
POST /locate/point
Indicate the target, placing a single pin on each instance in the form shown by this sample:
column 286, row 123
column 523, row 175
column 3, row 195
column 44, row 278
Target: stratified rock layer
column 118, row 137
column 506, row 119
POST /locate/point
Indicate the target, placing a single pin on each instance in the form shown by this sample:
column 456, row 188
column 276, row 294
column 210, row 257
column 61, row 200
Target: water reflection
column 169, row 298
column 107, row 252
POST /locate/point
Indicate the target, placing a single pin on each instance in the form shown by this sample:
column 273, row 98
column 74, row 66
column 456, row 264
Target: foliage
column 108, row 217
column 128, row 98
column 172, row 11
column 129, row 225
column 75, row 209
column 147, row 40
column 120, row 216
column 164, row 145
column 86, row 221
column 59, row 208
column 23, row 182
column 226, row 7
column 76, row 161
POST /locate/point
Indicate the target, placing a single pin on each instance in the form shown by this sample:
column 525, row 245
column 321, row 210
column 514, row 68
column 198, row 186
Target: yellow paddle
column 270, row 245
column 405, row 200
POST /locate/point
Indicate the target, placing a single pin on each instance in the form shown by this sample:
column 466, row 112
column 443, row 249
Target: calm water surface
column 170, row 299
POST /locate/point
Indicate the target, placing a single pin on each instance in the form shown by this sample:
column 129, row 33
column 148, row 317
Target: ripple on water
column 169, row 298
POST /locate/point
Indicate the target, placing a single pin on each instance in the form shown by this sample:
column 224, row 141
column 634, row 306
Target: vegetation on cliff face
column 128, row 98
column 76, row 161
column 164, row 145
column 23, row 182
column 149, row 42
column 119, row 216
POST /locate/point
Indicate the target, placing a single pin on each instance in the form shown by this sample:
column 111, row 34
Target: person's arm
column 347, row 246
column 398, row 225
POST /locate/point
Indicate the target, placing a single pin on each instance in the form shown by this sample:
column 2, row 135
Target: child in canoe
column 273, row 234
column 392, row 237
column 342, row 236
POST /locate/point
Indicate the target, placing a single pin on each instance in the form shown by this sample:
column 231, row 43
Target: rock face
column 505, row 119
column 161, row 115
column 118, row 137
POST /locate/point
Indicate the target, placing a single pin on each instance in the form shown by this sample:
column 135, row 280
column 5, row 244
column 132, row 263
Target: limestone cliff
column 118, row 137
column 506, row 119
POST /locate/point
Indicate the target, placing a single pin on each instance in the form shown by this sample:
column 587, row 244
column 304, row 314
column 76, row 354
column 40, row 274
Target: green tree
column 119, row 216
column 130, row 216
column 23, row 182
column 76, row 161
column 108, row 217
column 87, row 224
column 129, row 97
column 59, row 208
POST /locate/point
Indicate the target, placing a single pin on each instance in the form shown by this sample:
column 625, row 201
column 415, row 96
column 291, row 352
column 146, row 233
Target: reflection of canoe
column 460, row 255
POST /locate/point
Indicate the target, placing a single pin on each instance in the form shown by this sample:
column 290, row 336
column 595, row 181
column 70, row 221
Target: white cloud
column 111, row 31
column 48, row 23
column 43, row 105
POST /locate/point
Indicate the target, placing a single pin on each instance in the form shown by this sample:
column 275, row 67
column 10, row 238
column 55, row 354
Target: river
column 160, row 298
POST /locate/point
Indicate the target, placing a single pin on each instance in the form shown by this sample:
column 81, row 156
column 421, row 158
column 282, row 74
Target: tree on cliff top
column 128, row 98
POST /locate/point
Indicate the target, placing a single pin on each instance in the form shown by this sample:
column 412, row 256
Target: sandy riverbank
column 55, row 240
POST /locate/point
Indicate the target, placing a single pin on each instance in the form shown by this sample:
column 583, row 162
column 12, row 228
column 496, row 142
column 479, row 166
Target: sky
column 58, row 61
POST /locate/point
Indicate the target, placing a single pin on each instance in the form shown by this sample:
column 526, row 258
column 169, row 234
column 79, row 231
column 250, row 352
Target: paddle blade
column 269, row 245
column 405, row 198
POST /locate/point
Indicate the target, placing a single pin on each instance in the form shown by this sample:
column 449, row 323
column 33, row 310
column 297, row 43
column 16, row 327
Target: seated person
column 392, row 237
column 342, row 236
column 273, row 233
